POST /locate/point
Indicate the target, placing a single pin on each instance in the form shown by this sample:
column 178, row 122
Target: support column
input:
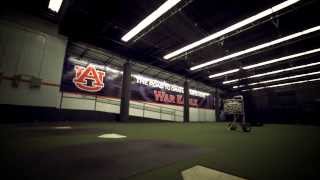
column 186, row 113
column 125, row 92
column 217, row 107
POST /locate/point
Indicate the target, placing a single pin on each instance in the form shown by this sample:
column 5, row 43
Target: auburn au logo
column 85, row 74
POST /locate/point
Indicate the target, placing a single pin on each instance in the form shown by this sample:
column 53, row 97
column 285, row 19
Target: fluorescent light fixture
column 55, row 5
column 273, row 72
column 149, row 19
column 230, row 81
column 255, row 48
column 281, row 59
column 224, row 73
column 284, row 70
column 280, row 79
column 232, row 28
column 267, row 62
column 286, row 78
column 283, row 84
column 236, row 87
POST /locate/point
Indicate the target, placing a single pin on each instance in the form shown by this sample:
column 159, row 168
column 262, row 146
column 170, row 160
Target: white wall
column 29, row 52
column 170, row 112
column 32, row 47
column 156, row 111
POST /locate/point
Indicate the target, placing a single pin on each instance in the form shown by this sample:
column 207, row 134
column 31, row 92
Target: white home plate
column 112, row 136
column 203, row 173
column 62, row 127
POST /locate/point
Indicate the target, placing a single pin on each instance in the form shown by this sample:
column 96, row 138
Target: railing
column 137, row 108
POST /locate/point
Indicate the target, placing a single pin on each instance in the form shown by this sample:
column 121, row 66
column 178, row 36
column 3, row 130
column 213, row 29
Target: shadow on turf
column 103, row 160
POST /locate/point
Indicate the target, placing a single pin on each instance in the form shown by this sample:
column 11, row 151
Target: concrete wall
column 32, row 48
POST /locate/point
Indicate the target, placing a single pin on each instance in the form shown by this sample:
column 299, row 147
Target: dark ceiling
column 103, row 23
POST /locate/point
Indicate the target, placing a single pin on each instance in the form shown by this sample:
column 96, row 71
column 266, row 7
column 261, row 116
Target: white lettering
column 164, row 85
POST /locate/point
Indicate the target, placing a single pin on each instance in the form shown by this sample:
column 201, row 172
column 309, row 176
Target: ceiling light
column 224, row 73
column 232, row 28
column 267, row 62
column 149, row 19
column 281, row 59
column 255, row 48
column 280, row 79
column 283, row 84
column 55, row 5
column 230, row 81
column 273, row 72
column 284, row 70
column 286, row 78
column 236, row 87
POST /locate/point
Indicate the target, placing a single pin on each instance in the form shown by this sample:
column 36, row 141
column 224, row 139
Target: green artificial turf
column 268, row 152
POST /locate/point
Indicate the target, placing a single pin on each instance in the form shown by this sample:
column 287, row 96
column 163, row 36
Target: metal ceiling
column 103, row 23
